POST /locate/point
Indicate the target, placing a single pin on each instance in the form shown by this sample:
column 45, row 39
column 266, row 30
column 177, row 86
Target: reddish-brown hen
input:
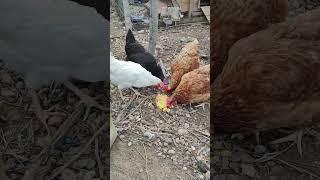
column 271, row 79
column 186, row 61
column 235, row 19
column 194, row 87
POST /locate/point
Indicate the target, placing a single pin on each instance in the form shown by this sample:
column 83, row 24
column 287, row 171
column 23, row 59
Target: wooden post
column 126, row 14
column 153, row 26
column 189, row 12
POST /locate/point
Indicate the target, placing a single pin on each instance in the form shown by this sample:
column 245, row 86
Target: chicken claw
column 136, row 92
column 297, row 137
column 202, row 105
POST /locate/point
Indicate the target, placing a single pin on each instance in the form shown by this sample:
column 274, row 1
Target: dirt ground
column 73, row 138
column 179, row 143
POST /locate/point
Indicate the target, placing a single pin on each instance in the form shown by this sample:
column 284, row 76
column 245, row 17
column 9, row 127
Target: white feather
column 127, row 74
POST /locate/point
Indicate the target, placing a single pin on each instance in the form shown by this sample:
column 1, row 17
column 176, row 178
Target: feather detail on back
column 126, row 74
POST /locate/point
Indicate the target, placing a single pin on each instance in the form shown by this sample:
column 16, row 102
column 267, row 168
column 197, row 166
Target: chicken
column 136, row 53
column 271, row 79
column 186, row 61
column 127, row 74
column 235, row 19
column 194, row 87
column 53, row 40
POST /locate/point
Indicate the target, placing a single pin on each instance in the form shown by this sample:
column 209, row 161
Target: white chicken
column 127, row 74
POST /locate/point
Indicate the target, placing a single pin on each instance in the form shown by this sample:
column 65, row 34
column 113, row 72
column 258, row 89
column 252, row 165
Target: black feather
column 136, row 53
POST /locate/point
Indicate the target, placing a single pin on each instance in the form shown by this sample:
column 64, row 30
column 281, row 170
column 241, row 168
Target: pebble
column 148, row 135
column 129, row 144
column 5, row 77
column 201, row 176
column 188, row 115
column 55, row 120
column 122, row 136
column 182, row 132
column 184, row 168
column 202, row 166
column 248, row 170
column 171, row 151
column 20, row 85
column 260, row 149
column 186, row 125
column 89, row 175
column 68, row 174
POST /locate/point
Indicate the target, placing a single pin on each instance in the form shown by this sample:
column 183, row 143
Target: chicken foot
column 87, row 100
column 202, row 105
column 296, row 137
column 136, row 92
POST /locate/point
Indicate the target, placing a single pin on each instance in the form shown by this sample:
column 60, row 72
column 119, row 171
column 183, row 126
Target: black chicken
column 137, row 53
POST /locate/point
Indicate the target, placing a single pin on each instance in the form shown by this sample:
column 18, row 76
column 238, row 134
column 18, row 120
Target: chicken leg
column 202, row 105
column 87, row 100
column 120, row 92
column 296, row 137
column 136, row 92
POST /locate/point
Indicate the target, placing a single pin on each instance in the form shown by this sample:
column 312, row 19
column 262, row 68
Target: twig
column 81, row 151
column 98, row 158
column 145, row 153
column 96, row 150
column 298, row 168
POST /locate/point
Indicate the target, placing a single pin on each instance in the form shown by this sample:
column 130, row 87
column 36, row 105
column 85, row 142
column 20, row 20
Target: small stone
column 188, row 115
column 171, row 151
column 225, row 163
column 5, row 77
column 235, row 166
column 182, row 132
column 201, row 176
column 55, row 120
column 160, row 154
column 237, row 136
column 141, row 170
column 129, row 144
column 85, row 163
column 248, row 170
column 168, row 140
column 202, row 166
column 165, row 144
column 68, row 174
column 184, row 168
column 186, row 125
column 177, row 140
column 20, row 85
column 122, row 136
column 193, row 148
column 148, row 135
column 89, row 175
column 260, row 149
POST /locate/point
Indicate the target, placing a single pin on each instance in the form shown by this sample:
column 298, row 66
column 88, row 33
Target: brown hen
column 186, row 61
column 194, row 87
column 271, row 79
column 235, row 19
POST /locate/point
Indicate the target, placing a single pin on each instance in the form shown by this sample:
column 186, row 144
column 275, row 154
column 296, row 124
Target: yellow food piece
column 161, row 102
